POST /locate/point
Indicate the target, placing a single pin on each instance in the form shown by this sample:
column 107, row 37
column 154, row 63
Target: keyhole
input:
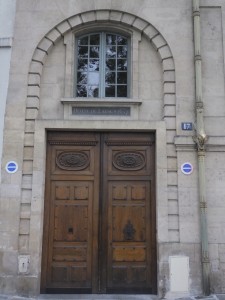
column 70, row 230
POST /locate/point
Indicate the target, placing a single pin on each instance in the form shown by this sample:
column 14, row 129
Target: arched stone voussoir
column 45, row 45
column 102, row 15
column 158, row 41
column 75, row 21
column 63, row 27
column 150, row 32
column 165, row 52
column 140, row 24
column 168, row 64
column 53, row 35
column 34, row 79
column 127, row 19
column 89, row 16
column 36, row 67
column 39, row 56
column 115, row 16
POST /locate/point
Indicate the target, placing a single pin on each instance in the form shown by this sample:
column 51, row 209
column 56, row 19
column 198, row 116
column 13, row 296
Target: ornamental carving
column 129, row 231
column 74, row 161
column 129, row 161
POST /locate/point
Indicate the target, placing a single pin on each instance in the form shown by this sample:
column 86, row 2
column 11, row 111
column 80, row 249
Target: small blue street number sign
column 186, row 126
column 11, row 167
column 187, row 168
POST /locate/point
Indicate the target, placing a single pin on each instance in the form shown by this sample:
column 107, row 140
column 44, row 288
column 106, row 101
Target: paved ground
column 107, row 297
column 84, row 297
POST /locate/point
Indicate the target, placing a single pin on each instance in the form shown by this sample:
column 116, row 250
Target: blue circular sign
column 187, row 168
column 11, row 167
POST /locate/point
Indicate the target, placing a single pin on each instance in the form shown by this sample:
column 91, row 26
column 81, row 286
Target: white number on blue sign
column 186, row 126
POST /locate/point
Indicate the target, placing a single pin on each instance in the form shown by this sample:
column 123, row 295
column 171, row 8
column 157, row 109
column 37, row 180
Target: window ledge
column 109, row 101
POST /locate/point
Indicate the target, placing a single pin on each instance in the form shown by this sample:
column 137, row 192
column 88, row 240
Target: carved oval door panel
column 99, row 225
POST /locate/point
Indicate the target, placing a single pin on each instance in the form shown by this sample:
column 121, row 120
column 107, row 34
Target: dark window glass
column 111, row 51
column 121, row 78
column 95, row 39
column 82, row 51
column 81, row 78
column 110, row 78
column 122, row 51
column 82, row 65
column 110, row 64
column 110, row 39
column 121, row 91
column 83, row 41
column 110, row 91
column 81, row 91
column 122, row 64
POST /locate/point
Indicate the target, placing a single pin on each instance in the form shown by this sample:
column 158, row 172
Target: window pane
column 93, row 65
column 94, row 52
column 110, row 51
column 82, row 65
column 121, row 91
column 122, row 51
column 82, row 51
column 93, row 91
column 83, row 41
column 81, row 91
column 110, row 91
column 110, row 39
column 122, row 77
column 95, row 39
column 121, row 40
column 122, row 64
column 93, row 78
column 102, row 62
column 110, row 78
column 110, row 64
column 81, row 78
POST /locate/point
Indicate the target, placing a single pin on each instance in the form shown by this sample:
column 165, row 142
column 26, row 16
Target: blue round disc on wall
column 187, row 168
column 11, row 167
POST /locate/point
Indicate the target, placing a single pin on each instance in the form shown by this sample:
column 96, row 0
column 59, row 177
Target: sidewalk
column 107, row 297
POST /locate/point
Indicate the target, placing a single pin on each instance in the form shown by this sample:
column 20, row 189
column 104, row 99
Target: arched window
column 102, row 65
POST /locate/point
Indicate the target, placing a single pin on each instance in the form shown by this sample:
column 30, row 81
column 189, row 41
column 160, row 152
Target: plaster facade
column 40, row 98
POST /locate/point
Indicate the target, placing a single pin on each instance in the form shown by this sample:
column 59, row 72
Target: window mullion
column 102, row 64
column 88, row 62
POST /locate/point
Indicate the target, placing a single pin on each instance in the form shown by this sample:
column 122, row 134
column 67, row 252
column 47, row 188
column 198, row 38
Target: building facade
column 7, row 16
column 113, row 164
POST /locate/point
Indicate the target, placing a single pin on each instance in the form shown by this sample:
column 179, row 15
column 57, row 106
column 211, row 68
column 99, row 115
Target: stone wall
column 7, row 16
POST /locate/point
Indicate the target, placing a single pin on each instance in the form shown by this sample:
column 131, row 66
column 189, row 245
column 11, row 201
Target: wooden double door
column 99, row 216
